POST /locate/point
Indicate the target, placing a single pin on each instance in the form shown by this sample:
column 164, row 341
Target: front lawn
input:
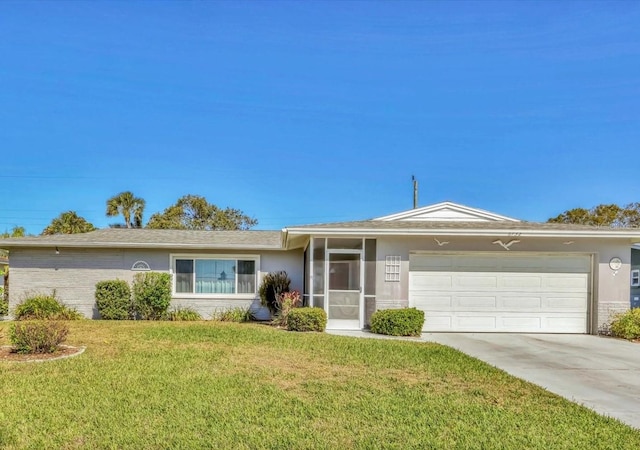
column 219, row 385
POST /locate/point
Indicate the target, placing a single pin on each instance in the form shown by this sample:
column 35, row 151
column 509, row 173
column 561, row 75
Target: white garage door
column 501, row 293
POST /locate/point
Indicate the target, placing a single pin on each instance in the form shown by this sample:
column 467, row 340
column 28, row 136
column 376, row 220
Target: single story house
column 468, row 269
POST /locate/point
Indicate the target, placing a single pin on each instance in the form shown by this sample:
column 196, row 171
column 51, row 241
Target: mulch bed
column 7, row 354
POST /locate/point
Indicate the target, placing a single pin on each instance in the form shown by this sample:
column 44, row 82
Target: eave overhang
column 633, row 235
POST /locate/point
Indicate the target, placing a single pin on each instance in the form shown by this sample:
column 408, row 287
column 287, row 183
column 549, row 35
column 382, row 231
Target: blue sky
column 306, row 112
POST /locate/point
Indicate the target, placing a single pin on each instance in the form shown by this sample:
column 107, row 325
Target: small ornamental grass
column 398, row 322
column 287, row 302
column 4, row 304
column 273, row 285
column 627, row 325
column 37, row 336
column 44, row 307
column 307, row 319
column 238, row 314
column 183, row 314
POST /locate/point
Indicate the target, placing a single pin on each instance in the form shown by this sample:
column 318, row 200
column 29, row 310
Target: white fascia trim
column 468, row 232
column 449, row 205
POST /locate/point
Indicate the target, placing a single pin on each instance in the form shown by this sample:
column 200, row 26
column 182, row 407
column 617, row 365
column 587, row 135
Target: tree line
column 194, row 212
column 190, row 212
column 604, row 215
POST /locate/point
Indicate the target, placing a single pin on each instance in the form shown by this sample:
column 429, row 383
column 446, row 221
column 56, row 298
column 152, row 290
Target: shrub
column 151, row 294
column 44, row 307
column 113, row 299
column 183, row 314
column 237, row 314
column 272, row 286
column 398, row 322
column 4, row 297
column 286, row 302
column 307, row 319
column 37, row 337
column 627, row 325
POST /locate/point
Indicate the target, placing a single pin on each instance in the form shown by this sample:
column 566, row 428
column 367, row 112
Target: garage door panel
column 474, row 322
column 437, row 323
column 464, row 302
column 531, row 293
column 480, row 281
column 511, row 302
column 522, row 324
column 577, row 303
column 429, row 281
column 433, row 301
column 520, row 282
column 577, row 282
column 564, row 324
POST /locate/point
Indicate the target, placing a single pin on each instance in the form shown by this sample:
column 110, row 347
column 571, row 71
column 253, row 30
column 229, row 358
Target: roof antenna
column 415, row 192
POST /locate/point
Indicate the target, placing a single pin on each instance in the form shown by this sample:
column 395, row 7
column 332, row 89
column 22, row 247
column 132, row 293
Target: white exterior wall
column 74, row 273
column 611, row 289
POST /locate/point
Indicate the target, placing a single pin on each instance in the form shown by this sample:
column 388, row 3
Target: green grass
column 157, row 385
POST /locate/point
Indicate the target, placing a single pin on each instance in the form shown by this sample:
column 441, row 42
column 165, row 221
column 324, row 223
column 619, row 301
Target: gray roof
column 474, row 225
column 273, row 240
column 144, row 238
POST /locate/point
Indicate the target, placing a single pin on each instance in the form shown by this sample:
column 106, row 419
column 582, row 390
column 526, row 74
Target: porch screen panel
column 307, row 278
column 370, row 261
column 344, row 305
column 318, row 266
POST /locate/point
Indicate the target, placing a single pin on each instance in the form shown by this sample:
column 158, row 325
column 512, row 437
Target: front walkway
column 600, row 373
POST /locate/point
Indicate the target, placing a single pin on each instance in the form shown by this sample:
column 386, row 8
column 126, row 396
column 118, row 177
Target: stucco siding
column 73, row 274
column 610, row 290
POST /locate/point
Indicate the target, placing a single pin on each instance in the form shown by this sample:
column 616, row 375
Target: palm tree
column 68, row 223
column 15, row 232
column 130, row 206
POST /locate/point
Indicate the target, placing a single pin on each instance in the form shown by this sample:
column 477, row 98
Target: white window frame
column 635, row 278
column 392, row 266
column 218, row 256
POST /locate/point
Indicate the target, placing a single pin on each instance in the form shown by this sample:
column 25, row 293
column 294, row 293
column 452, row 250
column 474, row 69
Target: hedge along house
column 468, row 269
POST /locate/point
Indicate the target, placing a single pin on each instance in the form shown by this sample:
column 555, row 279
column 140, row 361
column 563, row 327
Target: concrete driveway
column 600, row 373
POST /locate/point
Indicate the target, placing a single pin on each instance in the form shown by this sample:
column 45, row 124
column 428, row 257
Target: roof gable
column 447, row 212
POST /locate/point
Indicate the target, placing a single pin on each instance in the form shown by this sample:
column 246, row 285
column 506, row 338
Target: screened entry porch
column 340, row 277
